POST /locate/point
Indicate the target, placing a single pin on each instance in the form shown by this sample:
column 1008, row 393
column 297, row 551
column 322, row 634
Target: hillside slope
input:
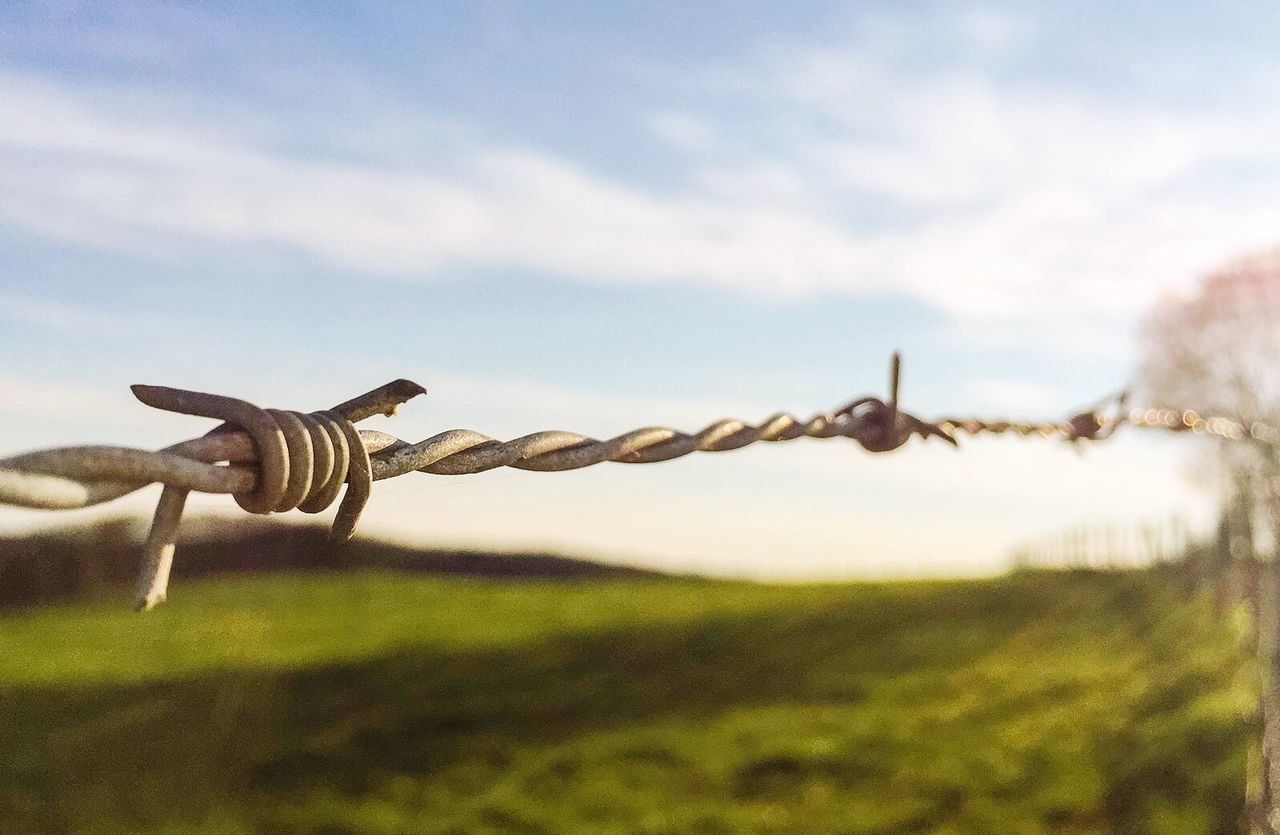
column 378, row 702
column 88, row 561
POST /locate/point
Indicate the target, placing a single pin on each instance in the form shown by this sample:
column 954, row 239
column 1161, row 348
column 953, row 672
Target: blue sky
column 600, row 216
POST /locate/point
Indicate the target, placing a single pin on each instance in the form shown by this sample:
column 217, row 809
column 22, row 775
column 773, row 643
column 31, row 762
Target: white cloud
column 66, row 318
column 958, row 140
column 988, row 201
column 996, row 31
column 686, row 132
column 69, row 172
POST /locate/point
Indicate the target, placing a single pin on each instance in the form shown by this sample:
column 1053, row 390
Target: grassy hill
column 387, row 702
column 88, row 561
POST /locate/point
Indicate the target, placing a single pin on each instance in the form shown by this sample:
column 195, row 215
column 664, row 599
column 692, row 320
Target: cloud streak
column 47, row 314
column 983, row 201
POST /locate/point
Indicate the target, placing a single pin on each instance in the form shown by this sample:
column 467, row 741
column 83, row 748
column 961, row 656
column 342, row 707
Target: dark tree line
column 101, row 559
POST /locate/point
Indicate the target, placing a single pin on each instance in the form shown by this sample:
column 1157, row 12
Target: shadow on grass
column 239, row 743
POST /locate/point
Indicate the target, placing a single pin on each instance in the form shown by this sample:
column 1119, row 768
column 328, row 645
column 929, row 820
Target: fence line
column 1108, row 546
column 272, row 460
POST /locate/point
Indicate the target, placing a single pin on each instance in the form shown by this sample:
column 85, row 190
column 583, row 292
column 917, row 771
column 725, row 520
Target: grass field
column 378, row 702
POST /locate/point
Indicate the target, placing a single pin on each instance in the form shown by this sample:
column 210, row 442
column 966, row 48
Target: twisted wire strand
column 273, row 460
column 462, row 451
column 1097, row 426
column 277, row 460
column 80, row 476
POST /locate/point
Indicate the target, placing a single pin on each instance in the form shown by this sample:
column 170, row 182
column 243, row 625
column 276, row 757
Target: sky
column 596, row 217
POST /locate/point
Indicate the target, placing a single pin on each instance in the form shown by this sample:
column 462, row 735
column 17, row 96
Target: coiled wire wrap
column 302, row 461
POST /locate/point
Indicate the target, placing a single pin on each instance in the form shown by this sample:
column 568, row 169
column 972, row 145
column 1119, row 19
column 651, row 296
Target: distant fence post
column 1266, row 594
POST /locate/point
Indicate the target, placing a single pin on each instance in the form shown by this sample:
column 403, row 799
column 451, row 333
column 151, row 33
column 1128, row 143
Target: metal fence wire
column 271, row 460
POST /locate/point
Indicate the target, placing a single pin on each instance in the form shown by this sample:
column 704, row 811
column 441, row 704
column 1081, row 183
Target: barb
column 272, row 460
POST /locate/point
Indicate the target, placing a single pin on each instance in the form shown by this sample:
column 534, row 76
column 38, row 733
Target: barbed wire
column 271, row 460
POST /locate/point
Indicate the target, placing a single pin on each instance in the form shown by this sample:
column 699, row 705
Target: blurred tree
column 1219, row 347
column 1217, row 351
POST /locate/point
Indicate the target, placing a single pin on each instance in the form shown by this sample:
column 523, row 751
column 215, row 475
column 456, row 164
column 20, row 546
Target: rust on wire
column 271, row 460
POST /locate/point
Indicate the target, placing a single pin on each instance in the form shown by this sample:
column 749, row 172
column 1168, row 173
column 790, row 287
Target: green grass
column 376, row 702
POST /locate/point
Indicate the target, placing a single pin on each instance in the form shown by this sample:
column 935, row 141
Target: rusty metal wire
column 271, row 460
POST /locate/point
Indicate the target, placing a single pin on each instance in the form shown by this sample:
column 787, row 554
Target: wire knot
column 1085, row 426
column 881, row 427
column 1095, row 423
column 303, row 459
